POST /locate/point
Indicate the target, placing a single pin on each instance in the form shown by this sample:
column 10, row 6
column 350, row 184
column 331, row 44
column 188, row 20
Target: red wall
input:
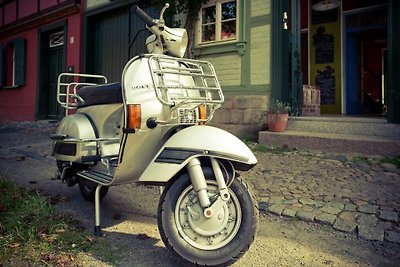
column 73, row 57
column 47, row 3
column 27, row 7
column 20, row 104
column 9, row 12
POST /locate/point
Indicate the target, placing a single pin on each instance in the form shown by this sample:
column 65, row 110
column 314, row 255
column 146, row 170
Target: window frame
column 218, row 24
column 12, row 64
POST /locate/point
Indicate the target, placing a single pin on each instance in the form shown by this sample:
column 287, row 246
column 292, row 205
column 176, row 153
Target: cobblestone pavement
column 353, row 194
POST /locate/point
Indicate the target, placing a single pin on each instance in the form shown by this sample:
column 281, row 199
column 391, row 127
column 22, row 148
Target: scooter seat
column 100, row 94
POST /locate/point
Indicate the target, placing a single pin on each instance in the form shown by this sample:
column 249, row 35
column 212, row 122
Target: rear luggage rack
column 68, row 85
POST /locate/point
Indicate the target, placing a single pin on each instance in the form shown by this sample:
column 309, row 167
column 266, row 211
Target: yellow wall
column 227, row 66
column 248, row 71
column 260, row 49
column 334, row 29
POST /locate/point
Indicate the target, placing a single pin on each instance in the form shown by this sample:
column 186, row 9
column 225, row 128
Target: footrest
column 98, row 177
column 92, row 158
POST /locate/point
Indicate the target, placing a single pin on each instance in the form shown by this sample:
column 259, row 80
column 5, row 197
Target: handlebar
column 146, row 18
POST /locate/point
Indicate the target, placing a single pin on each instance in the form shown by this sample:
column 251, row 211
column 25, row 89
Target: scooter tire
column 175, row 240
column 88, row 190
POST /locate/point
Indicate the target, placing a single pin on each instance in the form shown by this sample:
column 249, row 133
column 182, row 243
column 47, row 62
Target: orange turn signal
column 202, row 114
column 134, row 116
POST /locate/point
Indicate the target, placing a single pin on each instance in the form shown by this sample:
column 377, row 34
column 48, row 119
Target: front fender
column 192, row 142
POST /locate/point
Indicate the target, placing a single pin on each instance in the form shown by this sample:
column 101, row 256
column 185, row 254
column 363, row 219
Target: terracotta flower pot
column 277, row 122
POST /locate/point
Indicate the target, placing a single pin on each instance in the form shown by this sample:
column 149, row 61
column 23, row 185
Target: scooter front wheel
column 88, row 190
column 217, row 241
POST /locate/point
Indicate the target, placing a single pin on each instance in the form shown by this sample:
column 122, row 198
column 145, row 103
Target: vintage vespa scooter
column 150, row 129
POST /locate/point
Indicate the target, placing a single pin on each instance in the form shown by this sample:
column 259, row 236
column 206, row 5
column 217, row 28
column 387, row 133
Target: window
column 56, row 39
column 218, row 22
column 12, row 63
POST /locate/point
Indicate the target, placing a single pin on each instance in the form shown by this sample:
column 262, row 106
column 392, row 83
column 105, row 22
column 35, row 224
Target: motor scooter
column 151, row 129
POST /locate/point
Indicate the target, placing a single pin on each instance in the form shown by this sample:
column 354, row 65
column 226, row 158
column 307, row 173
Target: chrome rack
column 67, row 91
column 185, row 84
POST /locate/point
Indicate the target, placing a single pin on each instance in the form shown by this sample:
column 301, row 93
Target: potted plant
column 277, row 116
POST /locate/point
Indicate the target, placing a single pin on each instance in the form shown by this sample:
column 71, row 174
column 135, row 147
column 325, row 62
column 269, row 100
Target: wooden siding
column 109, row 35
column 12, row 11
column 108, row 44
column 20, row 15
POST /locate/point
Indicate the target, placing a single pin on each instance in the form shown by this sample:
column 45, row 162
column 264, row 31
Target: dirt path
column 128, row 218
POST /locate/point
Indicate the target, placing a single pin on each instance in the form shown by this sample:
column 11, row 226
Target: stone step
column 345, row 125
column 333, row 142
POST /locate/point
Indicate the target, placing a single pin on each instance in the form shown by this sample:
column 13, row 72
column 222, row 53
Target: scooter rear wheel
column 218, row 241
column 88, row 190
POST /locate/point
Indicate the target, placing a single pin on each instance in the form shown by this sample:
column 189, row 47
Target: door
column 280, row 89
column 286, row 54
column 56, row 61
column 109, row 41
column 107, row 45
column 51, row 64
column 365, row 40
column 353, row 103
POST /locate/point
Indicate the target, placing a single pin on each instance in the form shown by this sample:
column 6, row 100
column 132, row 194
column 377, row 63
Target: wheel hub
column 207, row 227
column 203, row 233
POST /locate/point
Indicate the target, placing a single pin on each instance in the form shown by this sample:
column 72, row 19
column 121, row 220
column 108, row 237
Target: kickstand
column 97, row 227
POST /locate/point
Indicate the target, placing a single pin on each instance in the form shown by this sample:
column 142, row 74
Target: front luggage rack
column 184, row 85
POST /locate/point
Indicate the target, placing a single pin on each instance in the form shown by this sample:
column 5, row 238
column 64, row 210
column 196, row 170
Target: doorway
column 51, row 64
column 108, row 40
column 365, row 49
column 364, row 55
column 107, row 43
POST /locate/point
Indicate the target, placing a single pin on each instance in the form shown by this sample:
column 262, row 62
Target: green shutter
column 3, row 62
column 19, row 48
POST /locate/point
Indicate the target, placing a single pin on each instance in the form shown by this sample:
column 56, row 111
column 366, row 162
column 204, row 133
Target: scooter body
column 151, row 129
column 98, row 135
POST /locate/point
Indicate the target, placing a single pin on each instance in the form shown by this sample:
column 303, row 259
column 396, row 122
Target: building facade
column 236, row 37
column 261, row 49
column 347, row 48
column 38, row 40
column 112, row 34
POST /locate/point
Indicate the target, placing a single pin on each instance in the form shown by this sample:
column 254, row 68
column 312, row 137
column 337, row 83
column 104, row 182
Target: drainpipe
column 393, row 62
column 296, row 73
column 280, row 89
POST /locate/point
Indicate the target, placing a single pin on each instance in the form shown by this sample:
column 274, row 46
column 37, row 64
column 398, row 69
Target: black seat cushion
column 100, row 94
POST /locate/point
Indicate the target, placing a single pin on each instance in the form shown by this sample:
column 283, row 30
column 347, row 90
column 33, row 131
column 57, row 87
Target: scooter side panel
column 108, row 122
column 192, row 142
column 138, row 151
column 138, row 148
column 139, row 88
column 76, row 126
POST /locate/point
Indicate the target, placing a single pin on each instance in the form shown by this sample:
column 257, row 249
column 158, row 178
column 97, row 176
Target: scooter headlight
column 176, row 40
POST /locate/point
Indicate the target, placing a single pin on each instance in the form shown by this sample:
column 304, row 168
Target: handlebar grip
column 146, row 18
